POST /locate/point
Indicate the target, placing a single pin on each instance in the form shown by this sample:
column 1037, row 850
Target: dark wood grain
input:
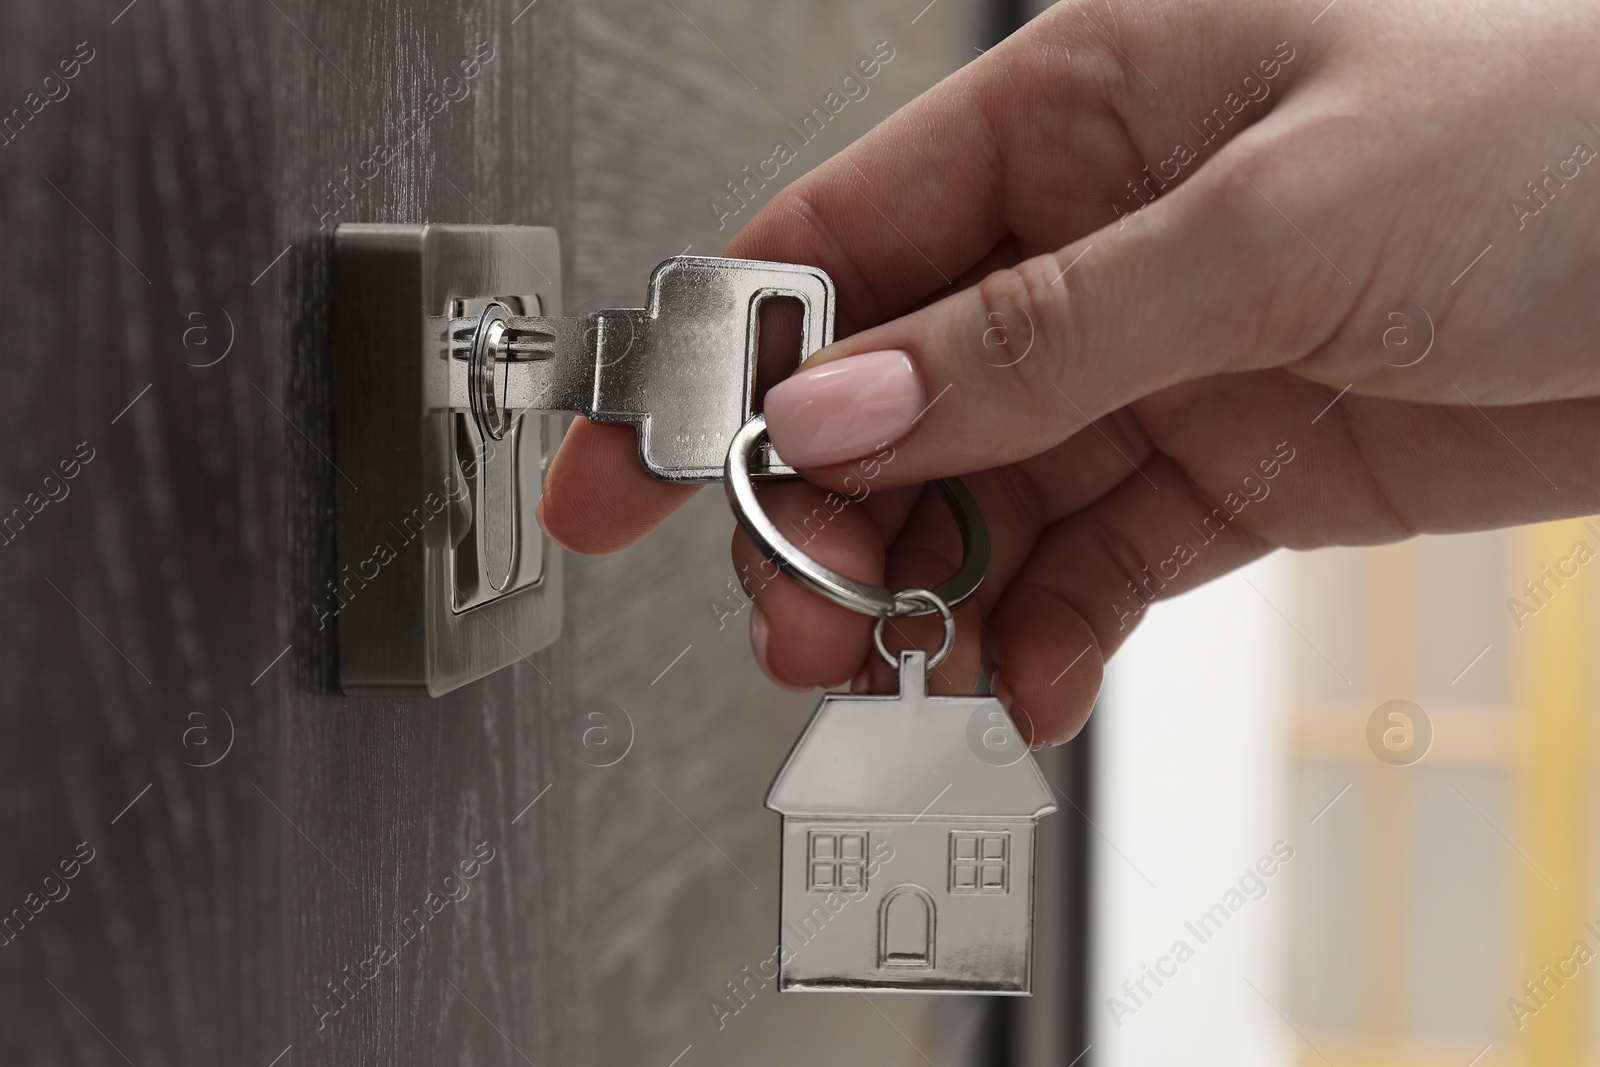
column 191, row 150
column 152, row 592
column 393, row 795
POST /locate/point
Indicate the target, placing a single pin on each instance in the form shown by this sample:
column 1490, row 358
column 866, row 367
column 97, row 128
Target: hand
column 1135, row 273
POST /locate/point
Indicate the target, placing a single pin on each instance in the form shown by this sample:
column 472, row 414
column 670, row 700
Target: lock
column 451, row 366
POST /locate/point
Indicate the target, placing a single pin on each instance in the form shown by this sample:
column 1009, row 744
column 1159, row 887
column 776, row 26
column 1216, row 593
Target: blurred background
column 1441, row 858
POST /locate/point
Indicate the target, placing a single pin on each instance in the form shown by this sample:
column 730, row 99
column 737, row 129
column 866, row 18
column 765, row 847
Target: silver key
column 681, row 369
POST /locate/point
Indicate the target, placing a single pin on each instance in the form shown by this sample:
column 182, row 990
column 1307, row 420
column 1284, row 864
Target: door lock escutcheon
column 451, row 364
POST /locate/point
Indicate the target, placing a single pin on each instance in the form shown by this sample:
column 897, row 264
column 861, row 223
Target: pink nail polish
column 845, row 409
column 759, row 634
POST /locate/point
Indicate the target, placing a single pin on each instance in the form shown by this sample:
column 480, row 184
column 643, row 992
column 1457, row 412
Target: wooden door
column 278, row 870
column 263, row 871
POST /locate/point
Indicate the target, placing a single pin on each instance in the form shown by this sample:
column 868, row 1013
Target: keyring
column 867, row 599
column 927, row 597
column 487, row 409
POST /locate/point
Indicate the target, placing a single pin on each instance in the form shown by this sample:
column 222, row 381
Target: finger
column 1360, row 470
column 1016, row 503
column 925, row 549
column 1045, row 138
column 1015, row 364
column 819, row 643
column 841, row 535
column 1089, row 581
column 1000, row 165
column 597, row 497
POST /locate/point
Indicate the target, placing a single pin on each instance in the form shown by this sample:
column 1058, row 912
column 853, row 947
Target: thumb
column 1208, row 279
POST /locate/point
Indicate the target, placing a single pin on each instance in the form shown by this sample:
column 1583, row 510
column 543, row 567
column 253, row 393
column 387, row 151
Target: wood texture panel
column 394, row 795
column 195, row 147
column 144, row 602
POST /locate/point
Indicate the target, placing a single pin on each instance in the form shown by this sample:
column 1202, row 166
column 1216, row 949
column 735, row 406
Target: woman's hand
column 1172, row 284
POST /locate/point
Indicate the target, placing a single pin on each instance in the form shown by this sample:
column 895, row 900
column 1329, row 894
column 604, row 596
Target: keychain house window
column 979, row 862
column 838, row 861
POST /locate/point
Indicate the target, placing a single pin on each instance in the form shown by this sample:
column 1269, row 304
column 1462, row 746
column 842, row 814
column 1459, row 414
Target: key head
column 683, row 370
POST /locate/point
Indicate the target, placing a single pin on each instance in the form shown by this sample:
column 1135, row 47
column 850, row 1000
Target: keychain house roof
column 908, row 844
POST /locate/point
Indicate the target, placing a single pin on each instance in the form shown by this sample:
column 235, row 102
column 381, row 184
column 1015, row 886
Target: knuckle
column 1128, row 562
column 1020, row 318
column 1240, row 188
column 1091, row 47
column 1293, row 260
column 1013, row 347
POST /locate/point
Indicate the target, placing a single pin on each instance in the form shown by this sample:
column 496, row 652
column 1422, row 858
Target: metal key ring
column 487, row 409
column 931, row 599
column 867, row 599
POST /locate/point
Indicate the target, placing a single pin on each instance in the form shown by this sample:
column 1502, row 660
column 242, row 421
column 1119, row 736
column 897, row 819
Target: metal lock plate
column 443, row 575
column 449, row 359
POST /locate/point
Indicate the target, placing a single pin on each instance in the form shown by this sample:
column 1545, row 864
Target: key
column 681, row 369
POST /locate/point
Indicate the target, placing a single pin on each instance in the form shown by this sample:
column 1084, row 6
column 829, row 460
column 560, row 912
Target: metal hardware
column 443, row 576
column 449, row 358
column 929, row 602
column 681, row 369
column 909, row 824
column 857, row 596
column 489, row 413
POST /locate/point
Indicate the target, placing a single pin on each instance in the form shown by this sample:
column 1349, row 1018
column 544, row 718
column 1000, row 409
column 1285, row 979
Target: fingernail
column 758, row 643
column 845, row 409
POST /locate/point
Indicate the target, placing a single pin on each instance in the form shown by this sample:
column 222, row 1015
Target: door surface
column 278, row 870
column 565, row 863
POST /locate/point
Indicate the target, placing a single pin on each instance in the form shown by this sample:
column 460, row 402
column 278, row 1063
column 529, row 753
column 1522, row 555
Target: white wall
column 1190, row 794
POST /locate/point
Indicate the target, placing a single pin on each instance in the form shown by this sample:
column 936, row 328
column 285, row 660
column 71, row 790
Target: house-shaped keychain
column 908, row 845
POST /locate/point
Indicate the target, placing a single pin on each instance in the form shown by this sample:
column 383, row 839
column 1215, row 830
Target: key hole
column 780, row 321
